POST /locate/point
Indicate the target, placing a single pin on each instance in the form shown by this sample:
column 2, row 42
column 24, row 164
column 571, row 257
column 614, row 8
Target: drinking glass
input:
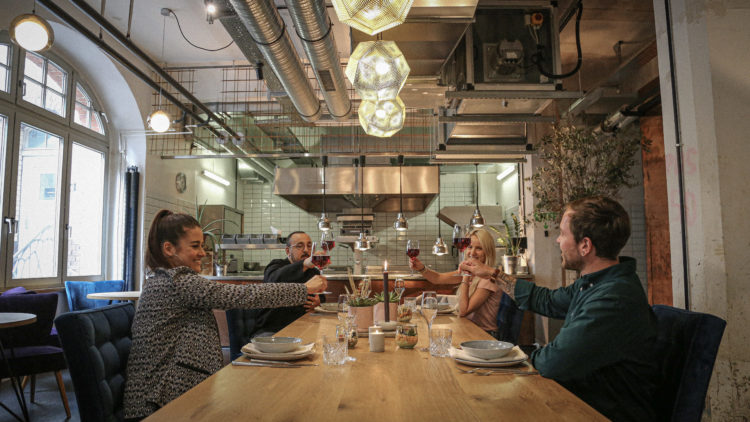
column 440, row 342
column 429, row 310
column 412, row 250
column 343, row 308
column 400, row 287
column 334, row 351
column 343, row 334
column 320, row 255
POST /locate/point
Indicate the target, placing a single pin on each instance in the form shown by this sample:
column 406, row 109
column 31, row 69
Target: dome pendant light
column 32, row 32
column 401, row 225
column 362, row 244
column 160, row 121
column 324, row 224
column 477, row 220
column 439, row 248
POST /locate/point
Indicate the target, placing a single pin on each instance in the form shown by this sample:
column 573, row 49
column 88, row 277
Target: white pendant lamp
column 401, row 225
column 362, row 243
column 160, row 121
column 377, row 70
column 383, row 118
column 32, row 32
column 372, row 16
column 439, row 248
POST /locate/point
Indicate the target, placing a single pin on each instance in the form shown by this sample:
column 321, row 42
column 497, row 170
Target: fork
column 485, row 371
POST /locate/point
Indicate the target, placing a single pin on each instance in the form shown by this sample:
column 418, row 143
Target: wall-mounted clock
column 180, row 182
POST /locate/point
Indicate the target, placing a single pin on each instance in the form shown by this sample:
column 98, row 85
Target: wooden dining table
column 395, row 385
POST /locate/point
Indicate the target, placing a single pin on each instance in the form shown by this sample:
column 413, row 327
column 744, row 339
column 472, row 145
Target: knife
column 276, row 362
column 236, row 363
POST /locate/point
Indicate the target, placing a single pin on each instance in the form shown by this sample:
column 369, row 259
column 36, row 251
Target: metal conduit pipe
column 268, row 30
column 262, row 167
column 315, row 30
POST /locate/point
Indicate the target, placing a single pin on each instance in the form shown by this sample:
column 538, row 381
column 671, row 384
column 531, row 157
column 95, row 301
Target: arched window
column 53, row 171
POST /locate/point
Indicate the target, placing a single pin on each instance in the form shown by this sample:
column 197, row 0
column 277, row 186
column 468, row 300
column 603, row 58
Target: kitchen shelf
column 242, row 246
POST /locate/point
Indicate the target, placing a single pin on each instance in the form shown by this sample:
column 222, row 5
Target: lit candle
column 376, row 339
column 386, row 297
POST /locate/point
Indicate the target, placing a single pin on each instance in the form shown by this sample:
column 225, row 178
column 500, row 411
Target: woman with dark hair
column 175, row 336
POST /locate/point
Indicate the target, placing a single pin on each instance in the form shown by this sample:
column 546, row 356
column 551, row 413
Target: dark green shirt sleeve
column 543, row 301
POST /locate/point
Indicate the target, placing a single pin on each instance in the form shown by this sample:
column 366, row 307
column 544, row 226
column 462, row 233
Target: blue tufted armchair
column 97, row 344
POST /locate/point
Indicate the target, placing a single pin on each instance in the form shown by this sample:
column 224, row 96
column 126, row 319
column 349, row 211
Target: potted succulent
column 360, row 304
column 379, row 312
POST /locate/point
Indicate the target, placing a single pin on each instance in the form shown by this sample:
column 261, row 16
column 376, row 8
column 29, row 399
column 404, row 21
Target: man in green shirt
column 603, row 351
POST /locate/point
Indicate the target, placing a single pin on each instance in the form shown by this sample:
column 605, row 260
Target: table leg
column 16, row 383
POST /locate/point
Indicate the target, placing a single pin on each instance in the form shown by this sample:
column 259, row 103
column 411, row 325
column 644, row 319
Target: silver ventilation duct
column 269, row 32
column 315, row 30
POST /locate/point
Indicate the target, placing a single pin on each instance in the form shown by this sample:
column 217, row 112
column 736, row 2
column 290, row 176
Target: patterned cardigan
column 175, row 336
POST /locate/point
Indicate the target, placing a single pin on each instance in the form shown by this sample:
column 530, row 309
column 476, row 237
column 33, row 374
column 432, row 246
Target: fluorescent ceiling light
column 216, row 178
column 506, row 172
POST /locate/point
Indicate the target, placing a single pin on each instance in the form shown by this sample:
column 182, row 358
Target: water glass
column 440, row 342
column 334, row 351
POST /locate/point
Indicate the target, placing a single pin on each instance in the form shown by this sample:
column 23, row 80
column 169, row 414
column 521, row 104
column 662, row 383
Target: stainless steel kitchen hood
column 304, row 187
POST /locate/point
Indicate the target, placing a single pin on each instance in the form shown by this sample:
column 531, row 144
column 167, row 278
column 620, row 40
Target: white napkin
column 250, row 348
column 515, row 354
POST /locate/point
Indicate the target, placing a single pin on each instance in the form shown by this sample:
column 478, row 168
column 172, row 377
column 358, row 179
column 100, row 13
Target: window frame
column 19, row 111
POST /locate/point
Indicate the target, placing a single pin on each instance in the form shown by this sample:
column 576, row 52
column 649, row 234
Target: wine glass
column 400, row 287
column 429, row 310
column 320, row 255
column 412, row 250
column 342, row 309
column 328, row 239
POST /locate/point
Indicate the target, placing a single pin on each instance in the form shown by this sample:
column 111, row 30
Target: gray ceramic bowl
column 443, row 306
column 276, row 344
column 487, row 349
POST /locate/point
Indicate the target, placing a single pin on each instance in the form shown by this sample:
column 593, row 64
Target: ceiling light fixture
column 159, row 120
column 382, row 118
column 377, row 70
column 32, row 32
column 324, row 224
column 477, row 220
column 215, row 177
column 439, row 248
column 372, row 16
column 506, row 172
column 362, row 244
column 401, row 225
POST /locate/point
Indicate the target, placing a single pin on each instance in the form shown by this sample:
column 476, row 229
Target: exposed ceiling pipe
column 269, row 32
column 315, row 30
column 263, row 167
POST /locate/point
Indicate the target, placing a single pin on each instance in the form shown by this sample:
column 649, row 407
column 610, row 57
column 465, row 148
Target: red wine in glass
column 463, row 243
column 321, row 261
column 330, row 244
column 413, row 253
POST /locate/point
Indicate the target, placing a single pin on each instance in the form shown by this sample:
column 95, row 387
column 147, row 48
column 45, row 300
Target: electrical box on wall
column 504, row 49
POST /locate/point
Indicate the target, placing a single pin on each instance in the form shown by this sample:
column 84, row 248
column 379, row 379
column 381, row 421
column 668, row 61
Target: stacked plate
column 514, row 357
column 278, row 348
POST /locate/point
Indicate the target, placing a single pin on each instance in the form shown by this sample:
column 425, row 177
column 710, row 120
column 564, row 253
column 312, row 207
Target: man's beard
column 574, row 265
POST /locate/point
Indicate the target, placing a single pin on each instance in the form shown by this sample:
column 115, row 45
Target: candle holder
column 377, row 339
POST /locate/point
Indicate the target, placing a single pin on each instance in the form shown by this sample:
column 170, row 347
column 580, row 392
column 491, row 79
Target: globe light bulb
column 159, row 121
column 31, row 32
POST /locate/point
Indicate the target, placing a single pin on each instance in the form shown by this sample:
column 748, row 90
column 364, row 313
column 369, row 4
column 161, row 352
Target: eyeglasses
column 302, row 246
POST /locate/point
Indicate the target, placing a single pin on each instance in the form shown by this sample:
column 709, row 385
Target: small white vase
column 510, row 264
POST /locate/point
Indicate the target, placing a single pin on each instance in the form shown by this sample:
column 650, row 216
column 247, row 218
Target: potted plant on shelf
column 379, row 310
column 511, row 240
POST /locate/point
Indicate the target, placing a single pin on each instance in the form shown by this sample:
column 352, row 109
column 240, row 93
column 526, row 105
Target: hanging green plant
column 580, row 162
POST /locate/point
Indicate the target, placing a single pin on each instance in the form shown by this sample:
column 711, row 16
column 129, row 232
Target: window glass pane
column 81, row 115
column 86, row 211
column 4, row 54
column 36, row 242
column 55, row 77
column 34, row 67
column 54, row 102
column 96, row 123
column 82, row 97
column 33, row 92
column 3, row 138
column 4, row 79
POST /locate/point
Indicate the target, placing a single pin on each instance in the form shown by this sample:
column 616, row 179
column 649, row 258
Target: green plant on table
column 392, row 297
column 511, row 239
column 358, row 301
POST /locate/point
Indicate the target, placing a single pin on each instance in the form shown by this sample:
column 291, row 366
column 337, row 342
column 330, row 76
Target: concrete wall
column 712, row 96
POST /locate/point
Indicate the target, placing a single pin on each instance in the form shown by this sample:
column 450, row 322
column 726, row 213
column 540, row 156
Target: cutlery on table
column 487, row 371
column 267, row 365
column 276, row 362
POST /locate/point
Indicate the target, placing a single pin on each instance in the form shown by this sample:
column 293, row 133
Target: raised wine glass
column 328, row 239
column 412, row 250
column 320, row 255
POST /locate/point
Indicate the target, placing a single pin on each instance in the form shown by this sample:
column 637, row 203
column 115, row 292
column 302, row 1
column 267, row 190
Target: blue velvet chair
column 509, row 319
column 686, row 347
column 97, row 344
column 28, row 347
column 77, row 291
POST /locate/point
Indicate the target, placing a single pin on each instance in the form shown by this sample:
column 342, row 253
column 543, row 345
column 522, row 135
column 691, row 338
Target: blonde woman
column 478, row 298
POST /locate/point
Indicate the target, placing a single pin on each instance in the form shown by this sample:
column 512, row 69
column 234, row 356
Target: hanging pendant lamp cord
column 476, row 182
column 439, row 195
column 400, row 187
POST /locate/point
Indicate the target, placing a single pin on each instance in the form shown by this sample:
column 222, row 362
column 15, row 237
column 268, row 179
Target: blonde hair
column 487, row 243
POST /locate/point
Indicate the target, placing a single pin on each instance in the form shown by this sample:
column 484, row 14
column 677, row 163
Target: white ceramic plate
column 491, row 364
column 303, row 351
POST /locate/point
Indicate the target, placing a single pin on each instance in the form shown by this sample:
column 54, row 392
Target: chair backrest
column 509, row 319
column 97, row 343
column 686, row 347
column 77, row 291
column 241, row 323
column 43, row 305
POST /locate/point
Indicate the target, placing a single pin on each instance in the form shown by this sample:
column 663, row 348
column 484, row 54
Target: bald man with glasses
column 297, row 267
